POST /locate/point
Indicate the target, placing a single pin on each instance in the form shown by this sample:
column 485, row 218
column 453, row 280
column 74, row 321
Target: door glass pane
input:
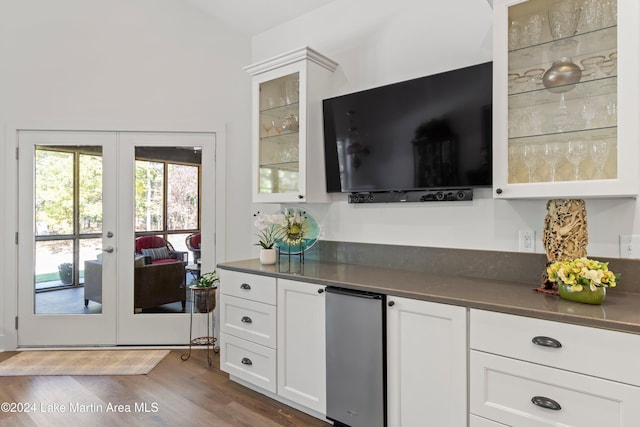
column 149, row 195
column 54, row 192
column 68, row 225
column 182, row 197
column 90, row 193
column 167, row 200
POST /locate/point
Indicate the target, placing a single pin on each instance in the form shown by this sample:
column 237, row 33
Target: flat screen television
column 428, row 133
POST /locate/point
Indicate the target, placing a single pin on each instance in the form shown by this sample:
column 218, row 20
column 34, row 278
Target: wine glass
column 561, row 118
column 530, row 155
column 532, row 31
column 563, row 19
column 589, row 111
column 599, row 154
column 553, row 154
column 576, row 153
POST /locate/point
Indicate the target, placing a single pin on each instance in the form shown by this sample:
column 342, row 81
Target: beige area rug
column 82, row 362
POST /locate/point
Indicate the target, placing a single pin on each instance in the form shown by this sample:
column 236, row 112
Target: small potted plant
column 204, row 292
column 65, row 270
column 582, row 279
column 270, row 227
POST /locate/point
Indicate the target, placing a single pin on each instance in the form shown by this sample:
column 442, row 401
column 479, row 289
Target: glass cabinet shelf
column 278, row 110
column 581, row 134
column 538, row 94
column 284, row 137
column 285, row 166
column 578, row 46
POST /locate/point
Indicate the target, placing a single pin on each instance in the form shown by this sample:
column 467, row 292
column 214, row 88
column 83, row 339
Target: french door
column 77, row 274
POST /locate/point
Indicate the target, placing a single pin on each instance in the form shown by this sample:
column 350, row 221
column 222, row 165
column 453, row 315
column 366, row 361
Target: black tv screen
column 427, row 133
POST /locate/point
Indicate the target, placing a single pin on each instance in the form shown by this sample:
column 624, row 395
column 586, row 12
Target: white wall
column 380, row 42
column 124, row 62
column 130, row 61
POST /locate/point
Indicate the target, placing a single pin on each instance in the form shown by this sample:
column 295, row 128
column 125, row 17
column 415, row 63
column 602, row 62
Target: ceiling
column 251, row 17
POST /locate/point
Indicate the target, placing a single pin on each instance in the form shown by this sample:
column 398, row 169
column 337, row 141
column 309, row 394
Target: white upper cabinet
column 288, row 147
column 566, row 98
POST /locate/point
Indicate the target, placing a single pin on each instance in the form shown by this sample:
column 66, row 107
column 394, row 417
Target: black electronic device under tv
column 428, row 133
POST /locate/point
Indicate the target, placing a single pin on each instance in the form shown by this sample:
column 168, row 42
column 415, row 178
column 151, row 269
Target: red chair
column 193, row 244
column 157, row 250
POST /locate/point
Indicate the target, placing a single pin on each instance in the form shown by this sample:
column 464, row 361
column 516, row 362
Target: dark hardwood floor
column 175, row 393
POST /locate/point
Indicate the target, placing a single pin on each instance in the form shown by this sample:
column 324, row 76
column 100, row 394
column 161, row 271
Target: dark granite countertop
column 620, row 311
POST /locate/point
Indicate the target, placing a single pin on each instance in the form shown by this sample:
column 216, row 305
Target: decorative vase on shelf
column 586, row 295
column 268, row 256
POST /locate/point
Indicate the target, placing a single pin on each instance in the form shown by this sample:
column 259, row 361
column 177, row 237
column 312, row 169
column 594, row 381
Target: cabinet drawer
column 502, row 389
column 248, row 361
column 249, row 286
column 513, row 336
column 250, row 320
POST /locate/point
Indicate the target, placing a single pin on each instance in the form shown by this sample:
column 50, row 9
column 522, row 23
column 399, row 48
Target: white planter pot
column 267, row 256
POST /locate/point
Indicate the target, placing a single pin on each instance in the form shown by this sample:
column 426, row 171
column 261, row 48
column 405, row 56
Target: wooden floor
column 175, row 393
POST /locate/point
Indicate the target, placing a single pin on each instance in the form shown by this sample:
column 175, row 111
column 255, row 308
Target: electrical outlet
column 629, row 246
column 526, row 241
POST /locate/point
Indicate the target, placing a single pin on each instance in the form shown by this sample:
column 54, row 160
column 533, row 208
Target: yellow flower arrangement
column 582, row 272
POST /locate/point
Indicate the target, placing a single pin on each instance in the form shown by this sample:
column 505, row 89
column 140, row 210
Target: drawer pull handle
column 246, row 361
column 245, row 286
column 546, row 403
column 546, row 342
column 246, row 319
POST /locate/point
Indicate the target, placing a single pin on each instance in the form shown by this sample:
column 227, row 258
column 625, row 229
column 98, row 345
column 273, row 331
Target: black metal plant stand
column 208, row 306
column 288, row 253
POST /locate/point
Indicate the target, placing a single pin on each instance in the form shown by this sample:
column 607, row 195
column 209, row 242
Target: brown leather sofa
column 158, row 284
column 154, row 284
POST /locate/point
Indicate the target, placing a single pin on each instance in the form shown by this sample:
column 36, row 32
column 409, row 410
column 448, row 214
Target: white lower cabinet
column 426, row 363
column 248, row 328
column 272, row 335
column 301, row 344
column 521, row 373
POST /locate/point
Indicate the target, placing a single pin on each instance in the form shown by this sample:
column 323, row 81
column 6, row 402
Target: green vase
column 586, row 295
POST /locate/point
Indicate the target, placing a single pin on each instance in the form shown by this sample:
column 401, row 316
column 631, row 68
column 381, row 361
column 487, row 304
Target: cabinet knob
column 246, row 319
column 546, row 403
column 245, row 286
column 546, row 342
column 391, row 303
column 498, row 190
column 321, row 290
column 246, row 361
column 300, row 196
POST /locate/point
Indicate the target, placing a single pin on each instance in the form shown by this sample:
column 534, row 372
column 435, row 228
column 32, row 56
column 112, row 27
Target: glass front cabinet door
column 288, row 147
column 566, row 98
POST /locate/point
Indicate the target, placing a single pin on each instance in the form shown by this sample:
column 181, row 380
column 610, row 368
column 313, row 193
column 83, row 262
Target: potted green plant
column 204, row 291
column 65, row 270
column 270, row 227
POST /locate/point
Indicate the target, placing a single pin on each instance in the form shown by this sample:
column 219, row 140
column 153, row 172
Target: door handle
column 108, row 249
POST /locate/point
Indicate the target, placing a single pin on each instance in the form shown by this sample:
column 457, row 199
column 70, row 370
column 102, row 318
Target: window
column 68, row 214
column 167, row 194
